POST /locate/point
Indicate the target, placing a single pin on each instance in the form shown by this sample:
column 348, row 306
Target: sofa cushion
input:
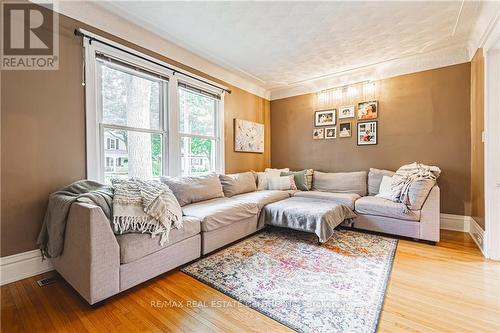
column 194, row 189
column 238, row 183
column 375, row 178
column 262, row 198
column 419, row 191
column 346, row 199
column 383, row 207
column 134, row 246
column 340, row 182
column 217, row 213
column 300, row 178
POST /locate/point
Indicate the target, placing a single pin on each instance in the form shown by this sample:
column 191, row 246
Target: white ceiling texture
column 290, row 48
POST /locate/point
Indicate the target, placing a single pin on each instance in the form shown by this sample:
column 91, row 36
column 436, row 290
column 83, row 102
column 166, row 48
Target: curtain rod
column 174, row 70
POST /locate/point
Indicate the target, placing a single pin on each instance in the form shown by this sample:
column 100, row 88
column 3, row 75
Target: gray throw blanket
column 51, row 237
column 145, row 207
column 306, row 214
column 406, row 175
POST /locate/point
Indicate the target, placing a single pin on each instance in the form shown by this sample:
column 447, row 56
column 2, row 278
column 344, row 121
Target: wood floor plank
column 445, row 288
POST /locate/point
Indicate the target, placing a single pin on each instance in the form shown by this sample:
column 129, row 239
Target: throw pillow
column 299, row 177
column 374, row 179
column 237, row 183
column 275, row 172
column 261, row 181
column 385, row 188
column 281, row 183
column 262, row 177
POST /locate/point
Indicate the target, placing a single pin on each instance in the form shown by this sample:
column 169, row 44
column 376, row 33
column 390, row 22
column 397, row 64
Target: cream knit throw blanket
column 406, row 175
column 146, row 207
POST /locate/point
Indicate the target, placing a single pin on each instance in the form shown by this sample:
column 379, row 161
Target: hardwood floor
column 445, row 288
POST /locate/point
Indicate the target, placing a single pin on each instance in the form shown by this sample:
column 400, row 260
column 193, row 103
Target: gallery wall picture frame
column 368, row 110
column 367, row 133
column 325, row 117
column 330, row 132
column 346, row 112
column 248, row 136
column 318, row 133
column 345, row 130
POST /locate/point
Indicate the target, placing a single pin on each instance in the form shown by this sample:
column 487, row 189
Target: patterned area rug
column 336, row 287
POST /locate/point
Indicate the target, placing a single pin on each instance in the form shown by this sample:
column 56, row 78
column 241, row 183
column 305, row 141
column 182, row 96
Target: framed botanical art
column 318, row 133
column 330, row 132
column 345, row 130
column 367, row 110
column 367, row 133
column 325, row 118
column 346, row 112
column 248, row 136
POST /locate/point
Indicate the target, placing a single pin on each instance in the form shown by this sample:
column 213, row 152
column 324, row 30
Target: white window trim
column 171, row 142
column 219, row 124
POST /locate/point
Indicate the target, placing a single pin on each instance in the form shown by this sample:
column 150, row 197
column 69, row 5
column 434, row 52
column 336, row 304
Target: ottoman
column 306, row 214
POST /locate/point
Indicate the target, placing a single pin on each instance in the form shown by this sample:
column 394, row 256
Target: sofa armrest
column 430, row 219
column 90, row 261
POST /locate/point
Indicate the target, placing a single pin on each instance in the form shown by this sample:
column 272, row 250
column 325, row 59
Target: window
column 144, row 121
column 198, row 124
column 131, row 109
column 110, row 163
column 112, row 144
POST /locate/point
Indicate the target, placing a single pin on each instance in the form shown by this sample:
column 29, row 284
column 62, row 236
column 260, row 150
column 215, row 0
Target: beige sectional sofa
column 99, row 264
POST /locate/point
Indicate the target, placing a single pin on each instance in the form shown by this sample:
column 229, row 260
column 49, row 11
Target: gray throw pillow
column 300, row 179
column 194, row 189
column 238, row 183
column 375, row 178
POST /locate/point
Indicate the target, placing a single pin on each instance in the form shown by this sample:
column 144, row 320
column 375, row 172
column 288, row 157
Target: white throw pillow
column 281, row 183
column 261, row 181
column 275, row 172
column 385, row 188
column 262, row 177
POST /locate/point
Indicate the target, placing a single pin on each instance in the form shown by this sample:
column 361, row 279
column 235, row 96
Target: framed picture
column 346, row 112
column 345, row 130
column 367, row 133
column 325, row 118
column 330, row 132
column 318, row 133
column 367, row 110
column 248, row 136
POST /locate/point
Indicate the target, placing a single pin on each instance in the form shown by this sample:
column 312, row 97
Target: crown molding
column 97, row 17
column 404, row 65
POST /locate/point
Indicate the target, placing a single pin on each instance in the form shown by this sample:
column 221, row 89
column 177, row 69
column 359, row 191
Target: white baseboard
column 23, row 265
column 465, row 224
column 478, row 235
column 455, row 222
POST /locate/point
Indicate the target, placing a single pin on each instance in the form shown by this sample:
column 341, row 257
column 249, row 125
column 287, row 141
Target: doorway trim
column 491, row 52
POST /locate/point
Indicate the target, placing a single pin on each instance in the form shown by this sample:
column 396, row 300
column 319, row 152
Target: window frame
column 169, row 107
column 218, row 126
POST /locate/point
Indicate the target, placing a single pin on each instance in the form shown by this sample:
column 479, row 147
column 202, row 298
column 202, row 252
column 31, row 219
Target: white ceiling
column 282, row 44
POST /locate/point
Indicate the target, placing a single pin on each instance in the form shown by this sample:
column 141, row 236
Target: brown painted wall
column 477, row 146
column 43, row 136
column 423, row 117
